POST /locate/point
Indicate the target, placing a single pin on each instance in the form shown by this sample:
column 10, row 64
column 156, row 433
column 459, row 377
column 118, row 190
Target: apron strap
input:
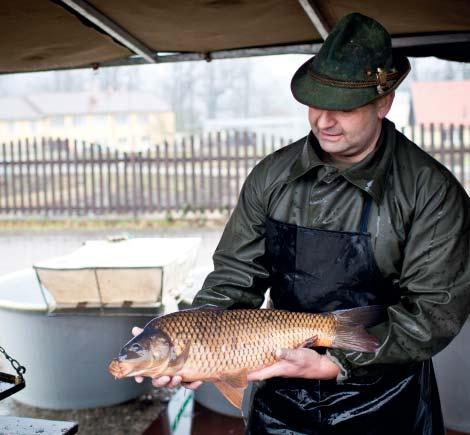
column 365, row 213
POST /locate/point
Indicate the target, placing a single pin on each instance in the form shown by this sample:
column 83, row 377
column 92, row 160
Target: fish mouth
column 121, row 369
column 118, row 370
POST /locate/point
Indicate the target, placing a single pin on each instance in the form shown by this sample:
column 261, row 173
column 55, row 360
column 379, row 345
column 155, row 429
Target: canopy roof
column 56, row 34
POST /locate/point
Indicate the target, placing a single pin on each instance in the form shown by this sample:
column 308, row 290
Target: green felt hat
column 354, row 66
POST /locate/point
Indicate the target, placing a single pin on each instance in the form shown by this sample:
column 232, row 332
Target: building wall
column 125, row 131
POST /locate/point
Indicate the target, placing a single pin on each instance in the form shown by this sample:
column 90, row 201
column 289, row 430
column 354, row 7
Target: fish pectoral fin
column 177, row 362
column 235, row 379
column 311, row 342
column 232, row 394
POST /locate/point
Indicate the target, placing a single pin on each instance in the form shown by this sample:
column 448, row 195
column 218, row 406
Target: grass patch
column 93, row 224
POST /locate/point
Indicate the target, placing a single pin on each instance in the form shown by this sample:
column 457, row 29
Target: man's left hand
column 298, row 363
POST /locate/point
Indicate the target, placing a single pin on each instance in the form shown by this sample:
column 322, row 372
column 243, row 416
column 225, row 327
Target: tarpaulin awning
column 56, row 34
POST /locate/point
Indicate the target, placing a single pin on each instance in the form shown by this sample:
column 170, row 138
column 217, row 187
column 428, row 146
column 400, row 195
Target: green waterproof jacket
column 420, row 233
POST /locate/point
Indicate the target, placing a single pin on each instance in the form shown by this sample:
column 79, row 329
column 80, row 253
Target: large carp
column 221, row 346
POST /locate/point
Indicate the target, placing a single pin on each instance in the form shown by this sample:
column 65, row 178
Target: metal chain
column 14, row 363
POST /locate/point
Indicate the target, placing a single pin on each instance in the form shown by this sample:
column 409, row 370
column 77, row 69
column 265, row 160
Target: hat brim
column 308, row 91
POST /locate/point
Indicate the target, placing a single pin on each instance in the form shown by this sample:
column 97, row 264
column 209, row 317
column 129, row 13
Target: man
column 353, row 215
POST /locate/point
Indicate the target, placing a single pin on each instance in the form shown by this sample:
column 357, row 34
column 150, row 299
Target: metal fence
column 199, row 173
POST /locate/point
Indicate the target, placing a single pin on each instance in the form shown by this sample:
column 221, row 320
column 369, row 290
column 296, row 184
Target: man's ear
column 384, row 104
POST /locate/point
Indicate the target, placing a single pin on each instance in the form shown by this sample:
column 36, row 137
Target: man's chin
column 332, row 147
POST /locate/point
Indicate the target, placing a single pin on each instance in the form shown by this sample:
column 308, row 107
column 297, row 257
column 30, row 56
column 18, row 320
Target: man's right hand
column 165, row 381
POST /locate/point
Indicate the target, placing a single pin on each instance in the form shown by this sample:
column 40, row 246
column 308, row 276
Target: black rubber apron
column 317, row 270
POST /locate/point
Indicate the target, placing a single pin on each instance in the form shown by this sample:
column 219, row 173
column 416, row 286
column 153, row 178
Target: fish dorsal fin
column 177, row 361
column 232, row 385
column 233, row 395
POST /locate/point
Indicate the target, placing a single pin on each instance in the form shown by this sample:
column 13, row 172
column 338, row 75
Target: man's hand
column 298, row 363
column 165, row 381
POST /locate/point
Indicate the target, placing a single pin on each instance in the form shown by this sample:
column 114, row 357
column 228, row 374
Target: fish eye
column 136, row 347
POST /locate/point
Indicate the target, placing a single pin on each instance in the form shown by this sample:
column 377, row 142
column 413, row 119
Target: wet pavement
column 22, row 248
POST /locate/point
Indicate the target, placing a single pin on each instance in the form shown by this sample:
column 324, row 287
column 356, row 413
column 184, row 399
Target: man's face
column 349, row 136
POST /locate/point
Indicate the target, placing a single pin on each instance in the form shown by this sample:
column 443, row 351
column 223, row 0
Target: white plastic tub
column 66, row 357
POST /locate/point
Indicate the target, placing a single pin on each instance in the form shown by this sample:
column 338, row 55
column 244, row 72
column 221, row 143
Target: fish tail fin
column 351, row 333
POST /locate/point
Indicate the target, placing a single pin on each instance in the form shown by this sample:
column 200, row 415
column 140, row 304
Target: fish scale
column 227, row 340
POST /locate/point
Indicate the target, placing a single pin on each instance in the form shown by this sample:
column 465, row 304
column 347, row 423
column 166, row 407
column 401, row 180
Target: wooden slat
column 6, row 193
column 140, row 187
column 462, row 155
column 134, row 205
column 37, row 180
column 210, row 181
column 228, row 165
column 177, row 205
column 76, row 177
column 68, row 177
column 236, row 150
column 442, row 151
column 202, row 160
column 117, row 181
column 167, row 206
column 157, row 178
column 219, row 169
column 109, row 185
column 13, row 178
column 28, row 178
column 83, row 159
column 92, row 179
column 193, row 157
column 452, row 149
column 184, row 165
column 433, row 141
column 19, row 168
column 149, row 167
column 101, row 207
column 125, row 202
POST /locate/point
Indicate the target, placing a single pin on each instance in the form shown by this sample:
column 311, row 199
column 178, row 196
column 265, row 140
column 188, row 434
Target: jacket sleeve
column 240, row 277
column 435, row 282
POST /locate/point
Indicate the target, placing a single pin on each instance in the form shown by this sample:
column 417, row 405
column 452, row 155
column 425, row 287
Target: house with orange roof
column 443, row 102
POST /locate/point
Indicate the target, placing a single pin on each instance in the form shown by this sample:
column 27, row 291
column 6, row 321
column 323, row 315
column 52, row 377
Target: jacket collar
column 368, row 174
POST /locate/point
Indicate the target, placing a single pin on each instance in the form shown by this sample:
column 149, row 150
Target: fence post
column 5, row 175
column 142, row 206
column 176, row 181
column 37, row 183
column 462, row 156
column 167, row 177
column 109, row 202
column 12, row 171
column 117, row 161
column 193, row 174
column 219, row 169
column 452, row 149
column 150, row 202
column 210, row 181
column 158, row 180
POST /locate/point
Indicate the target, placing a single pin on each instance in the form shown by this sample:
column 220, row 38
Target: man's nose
column 325, row 119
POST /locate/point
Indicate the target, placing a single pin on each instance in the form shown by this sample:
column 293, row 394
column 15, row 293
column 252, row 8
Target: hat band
column 383, row 80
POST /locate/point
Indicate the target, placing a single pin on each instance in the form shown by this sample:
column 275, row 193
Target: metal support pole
column 316, row 17
column 113, row 29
